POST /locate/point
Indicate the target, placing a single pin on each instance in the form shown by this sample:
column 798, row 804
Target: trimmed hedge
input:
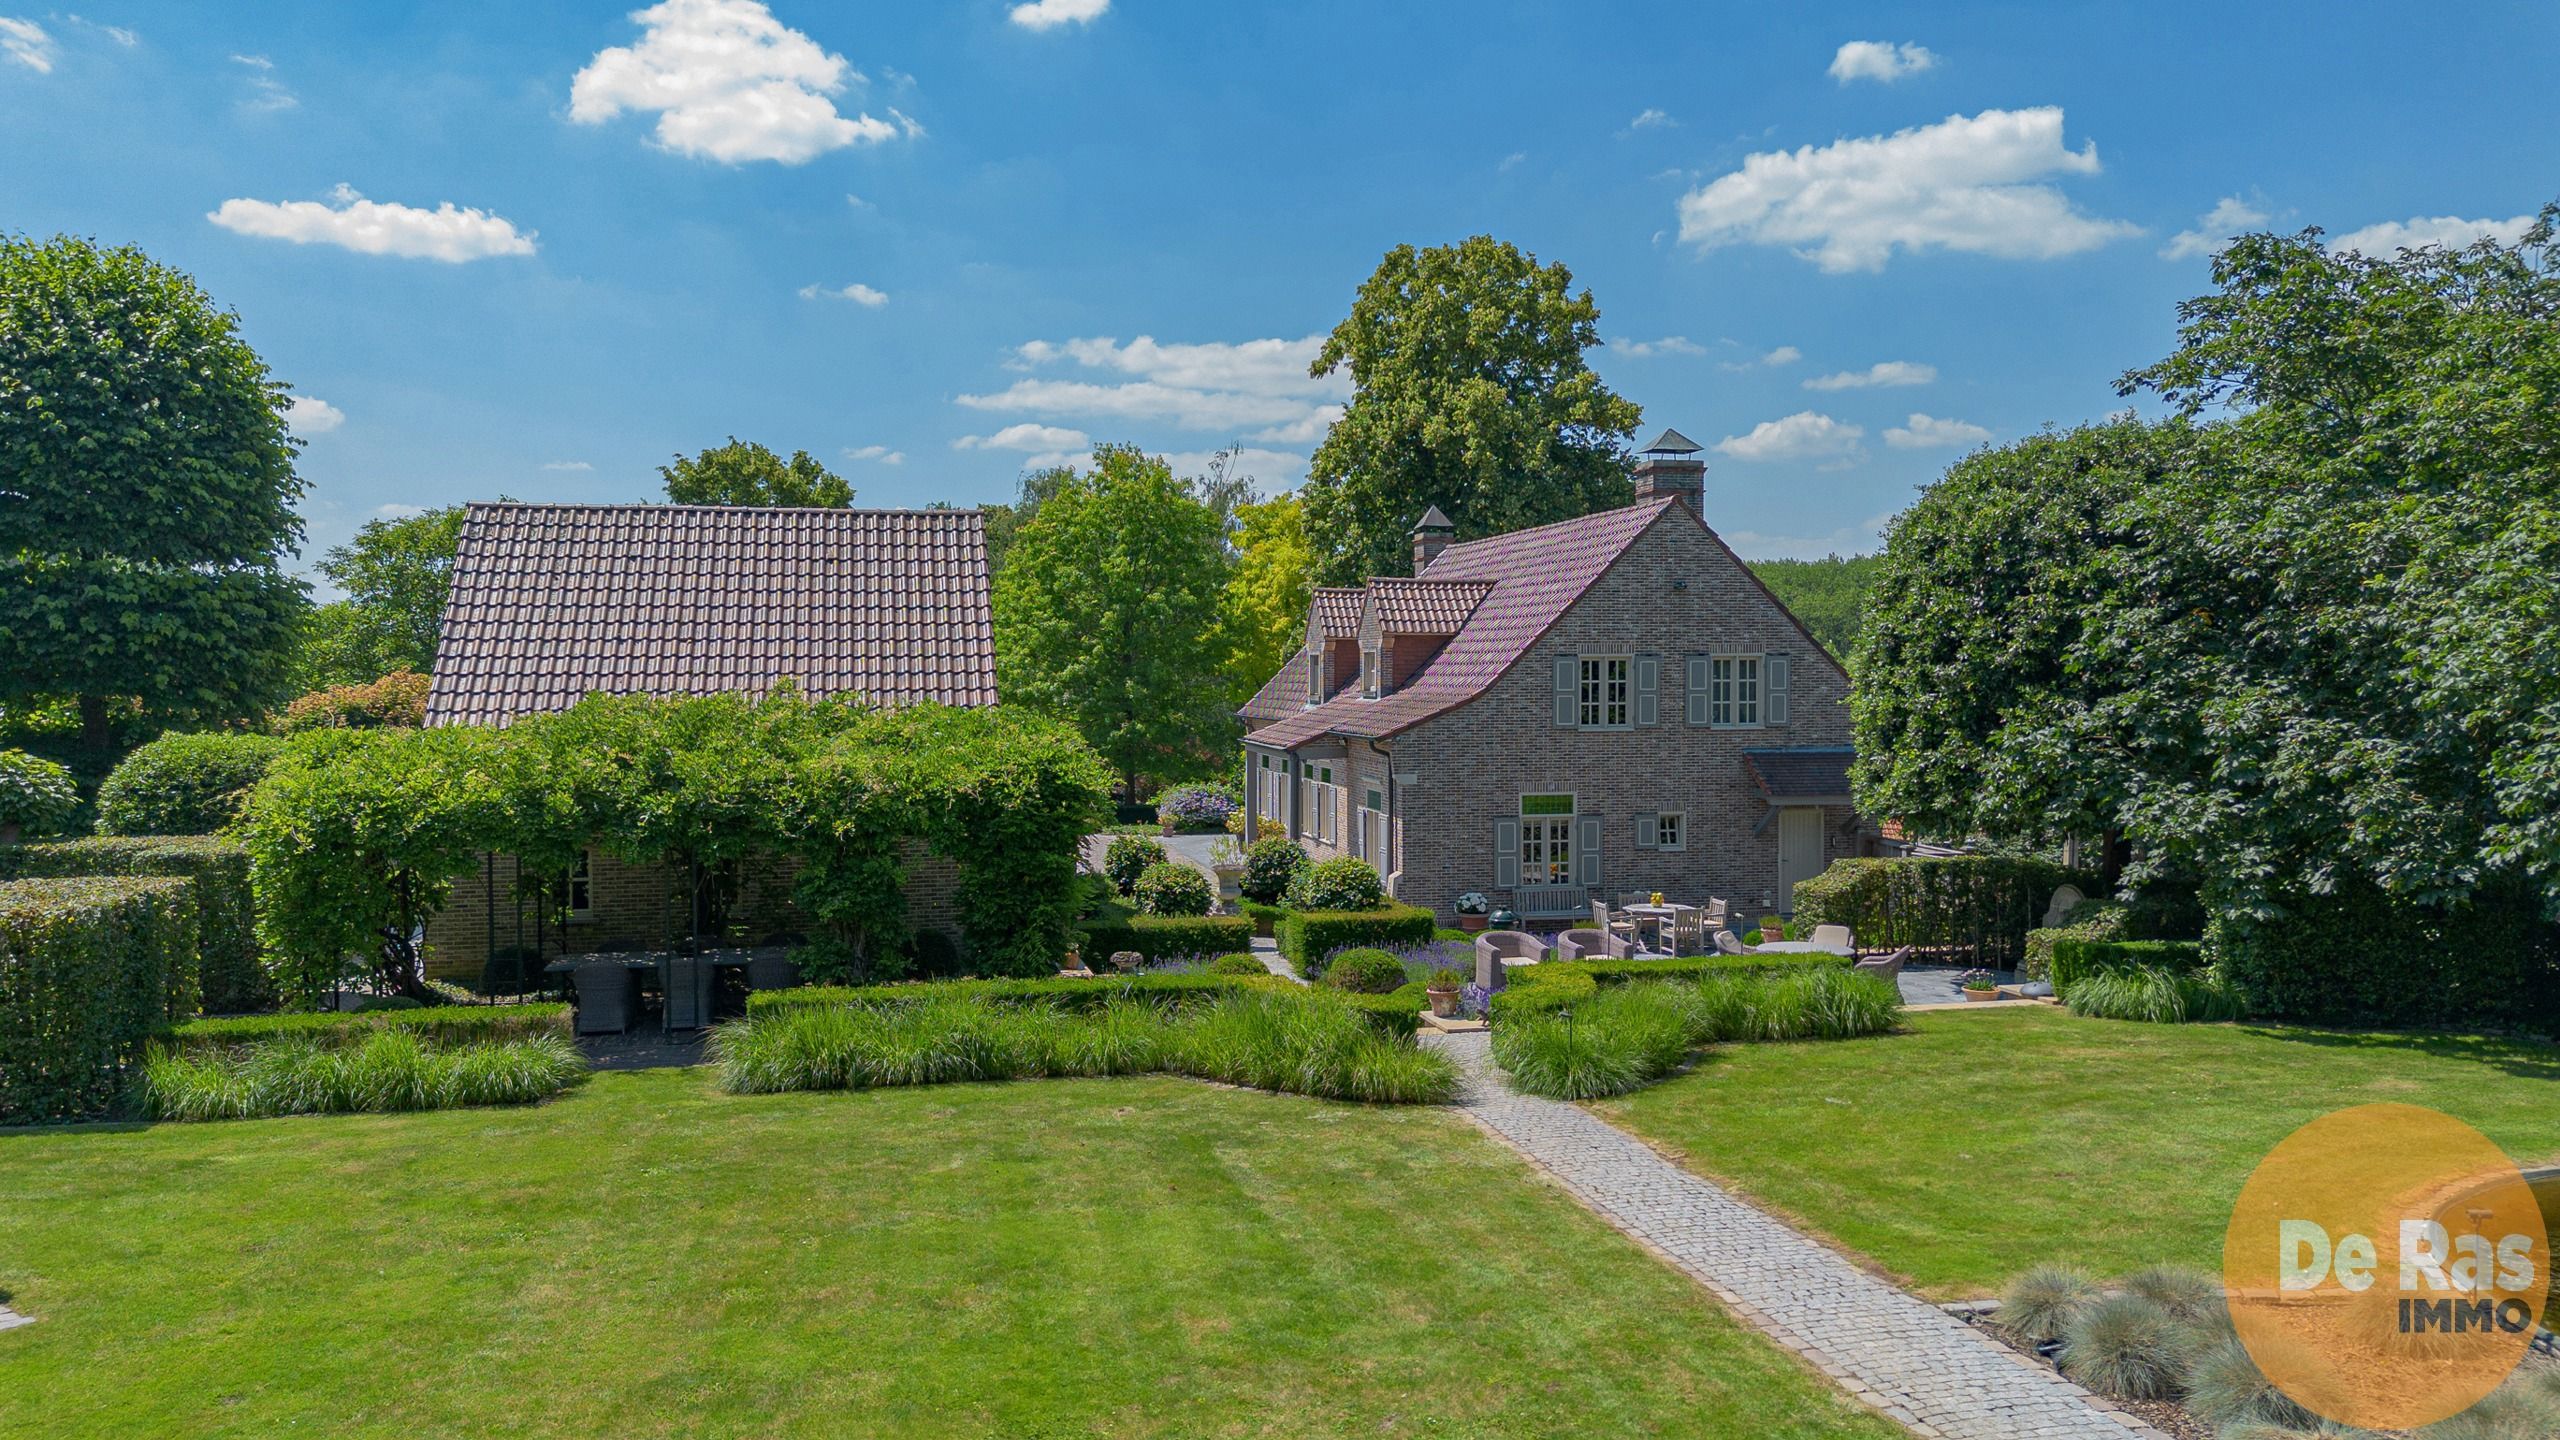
column 1307, row 936
column 2076, row 959
column 1555, row 984
column 184, row 784
column 2362, row 957
column 229, row 975
column 1982, row 903
column 2088, row 920
column 435, row 1024
column 1167, row 937
column 89, row 971
column 1395, row 1015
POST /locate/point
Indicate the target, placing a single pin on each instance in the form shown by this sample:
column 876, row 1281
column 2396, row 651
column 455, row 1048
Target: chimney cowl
column 1670, row 466
column 1431, row 535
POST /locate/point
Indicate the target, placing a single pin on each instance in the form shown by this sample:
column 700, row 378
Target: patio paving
column 1929, row 1371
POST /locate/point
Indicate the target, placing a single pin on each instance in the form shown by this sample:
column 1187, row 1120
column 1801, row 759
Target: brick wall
column 1471, row 765
column 643, row 905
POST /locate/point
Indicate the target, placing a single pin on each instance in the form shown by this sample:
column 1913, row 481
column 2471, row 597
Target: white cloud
column 1027, row 436
column 1652, row 119
column 311, row 415
column 398, row 511
column 880, row 454
column 1783, row 355
column 571, row 465
column 2214, row 228
column 859, row 294
column 1306, row 431
column 267, row 94
column 370, row 227
column 1214, row 386
column 1966, row 183
column 1667, row 345
column 119, row 34
column 2452, row 232
column 1050, row 14
column 26, row 42
column 731, row 83
column 1925, row 432
column 1880, row 60
column 857, row 202
column 1884, row 374
column 1511, row 162
column 1805, row 435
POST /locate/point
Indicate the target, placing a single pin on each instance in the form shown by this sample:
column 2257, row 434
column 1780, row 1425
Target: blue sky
column 931, row 243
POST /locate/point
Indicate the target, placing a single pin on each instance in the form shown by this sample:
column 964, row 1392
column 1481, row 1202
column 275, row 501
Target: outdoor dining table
column 649, row 961
column 1663, row 918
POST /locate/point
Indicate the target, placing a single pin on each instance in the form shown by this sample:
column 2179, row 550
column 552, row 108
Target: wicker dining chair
column 772, row 971
column 687, row 982
column 608, row 996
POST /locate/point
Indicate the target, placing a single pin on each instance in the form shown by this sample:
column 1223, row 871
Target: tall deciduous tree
column 1471, row 393
column 1106, row 615
column 146, row 492
column 1267, row 595
column 397, row 574
column 743, row 472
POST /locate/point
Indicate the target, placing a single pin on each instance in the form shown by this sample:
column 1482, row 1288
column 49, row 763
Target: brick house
column 551, row 603
column 1613, row 703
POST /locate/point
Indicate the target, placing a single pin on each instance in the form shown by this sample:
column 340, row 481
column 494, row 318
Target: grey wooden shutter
column 1648, row 831
column 1568, row 688
column 1697, row 689
column 1778, row 674
column 1506, row 853
column 1586, row 858
column 1648, row 689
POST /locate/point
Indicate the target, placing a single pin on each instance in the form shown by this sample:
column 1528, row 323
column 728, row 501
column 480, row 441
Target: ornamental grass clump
column 1607, row 1045
column 2192, row 1295
column 2128, row 1347
column 2150, row 993
column 2225, row 1388
column 2041, row 1303
column 385, row 1071
column 1306, row 1045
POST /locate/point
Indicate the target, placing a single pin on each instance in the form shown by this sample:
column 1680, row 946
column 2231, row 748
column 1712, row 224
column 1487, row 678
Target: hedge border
column 91, row 970
column 1397, row 1015
column 229, row 975
column 437, row 1024
column 1555, row 984
column 1166, row 937
column 1306, row 936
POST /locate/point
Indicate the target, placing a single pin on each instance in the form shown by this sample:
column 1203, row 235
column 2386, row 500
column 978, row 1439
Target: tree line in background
column 2288, row 649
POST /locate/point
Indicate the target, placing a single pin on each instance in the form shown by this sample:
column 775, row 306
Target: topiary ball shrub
column 1237, row 965
column 1170, row 887
column 1341, row 883
column 1269, row 865
column 1365, row 972
column 37, row 797
column 1128, row 857
column 2128, row 1347
column 184, row 784
column 2040, row 1304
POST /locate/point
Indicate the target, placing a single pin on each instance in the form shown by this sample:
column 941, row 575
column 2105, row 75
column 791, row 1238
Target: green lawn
column 1973, row 1146
column 646, row 1256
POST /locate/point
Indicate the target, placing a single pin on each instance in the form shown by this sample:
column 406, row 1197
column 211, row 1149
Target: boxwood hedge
column 1537, row 989
column 1307, row 936
column 230, row 977
column 436, row 1024
column 1166, row 937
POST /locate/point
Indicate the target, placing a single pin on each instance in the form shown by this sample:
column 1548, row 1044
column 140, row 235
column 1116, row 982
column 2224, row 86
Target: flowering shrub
column 1170, row 887
column 398, row 699
column 1196, row 807
column 35, row 794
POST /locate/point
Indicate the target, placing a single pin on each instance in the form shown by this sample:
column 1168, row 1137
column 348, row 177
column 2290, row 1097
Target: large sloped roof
column 551, row 602
column 1425, row 607
column 1534, row 577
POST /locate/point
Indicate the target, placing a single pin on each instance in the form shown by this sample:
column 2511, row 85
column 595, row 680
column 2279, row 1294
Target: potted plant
column 1472, row 907
column 1443, row 990
column 1978, row 985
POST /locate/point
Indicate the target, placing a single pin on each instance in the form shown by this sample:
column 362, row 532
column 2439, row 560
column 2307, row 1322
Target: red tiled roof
column 1425, row 607
column 551, row 602
column 1284, row 692
column 1338, row 610
column 1535, row 576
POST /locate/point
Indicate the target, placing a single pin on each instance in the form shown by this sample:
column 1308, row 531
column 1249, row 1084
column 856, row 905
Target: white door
column 1799, row 851
column 1375, row 821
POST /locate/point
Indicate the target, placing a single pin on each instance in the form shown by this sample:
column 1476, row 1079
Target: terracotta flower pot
column 1471, row 923
column 1991, row 993
column 1443, row 1002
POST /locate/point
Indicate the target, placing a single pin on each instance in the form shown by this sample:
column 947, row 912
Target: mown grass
column 1970, row 1147
column 1297, row 1043
column 1140, row 1258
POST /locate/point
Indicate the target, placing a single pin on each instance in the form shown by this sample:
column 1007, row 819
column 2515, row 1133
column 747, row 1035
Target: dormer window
column 1373, row 672
column 1315, row 677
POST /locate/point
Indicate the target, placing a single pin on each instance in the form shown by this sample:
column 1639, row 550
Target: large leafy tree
column 1470, row 392
column 1828, row 595
column 397, row 574
column 2298, row 640
column 743, row 472
column 146, row 493
column 1267, row 595
column 1106, row 616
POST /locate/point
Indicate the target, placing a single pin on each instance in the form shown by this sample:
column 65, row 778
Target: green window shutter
column 1586, row 856
column 1648, row 681
column 1568, row 687
column 1697, row 690
column 1648, row 831
column 1777, row 675
column 1506, row 853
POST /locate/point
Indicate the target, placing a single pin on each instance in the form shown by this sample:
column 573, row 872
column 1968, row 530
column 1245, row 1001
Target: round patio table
column 1797, row 947
column 1662, row 917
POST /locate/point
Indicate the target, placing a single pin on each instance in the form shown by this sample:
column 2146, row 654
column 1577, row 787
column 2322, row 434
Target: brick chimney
column 1670, row 466
column 1431, row 535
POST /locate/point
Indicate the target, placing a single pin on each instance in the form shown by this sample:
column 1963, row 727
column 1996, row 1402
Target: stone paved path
column 1925, row 1368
